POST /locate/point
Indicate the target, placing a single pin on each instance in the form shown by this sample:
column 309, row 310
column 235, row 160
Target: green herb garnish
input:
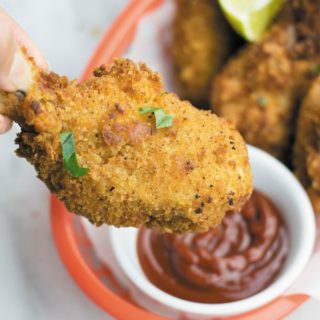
column 262, row 101
column 70, row 162
column 163, row 120
column 315, row 70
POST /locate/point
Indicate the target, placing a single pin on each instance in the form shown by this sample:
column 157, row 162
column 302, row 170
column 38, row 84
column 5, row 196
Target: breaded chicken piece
column 259, row 89
column 177, row 179
column 307, row 145
column 202, row 41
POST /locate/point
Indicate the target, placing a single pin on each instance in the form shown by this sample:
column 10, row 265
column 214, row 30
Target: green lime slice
column 250, row 18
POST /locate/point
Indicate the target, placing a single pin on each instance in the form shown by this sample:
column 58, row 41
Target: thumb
column 5, row 124
column 15, row 71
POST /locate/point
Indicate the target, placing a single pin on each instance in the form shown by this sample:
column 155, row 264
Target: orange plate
column 74, row 247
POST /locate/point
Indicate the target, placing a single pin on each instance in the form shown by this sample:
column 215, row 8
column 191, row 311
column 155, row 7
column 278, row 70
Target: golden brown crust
column 259, row 90
column 202, row 41
column 307, row 145
column 182, row 178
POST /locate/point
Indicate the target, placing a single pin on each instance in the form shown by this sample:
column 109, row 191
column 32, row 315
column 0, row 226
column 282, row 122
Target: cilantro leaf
column 163, row 120
column 70, row 162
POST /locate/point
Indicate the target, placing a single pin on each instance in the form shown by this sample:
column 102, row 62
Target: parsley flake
column 163, row 120
column 262, row 101
column 315, row 70
column 70, row 162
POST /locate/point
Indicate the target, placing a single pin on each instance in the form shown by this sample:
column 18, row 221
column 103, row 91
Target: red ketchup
column 237, row 259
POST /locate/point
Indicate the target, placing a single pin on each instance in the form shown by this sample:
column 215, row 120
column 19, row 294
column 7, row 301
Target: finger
column 5, row 124
column 24, row 40
column 8, row 48
column 15, row 70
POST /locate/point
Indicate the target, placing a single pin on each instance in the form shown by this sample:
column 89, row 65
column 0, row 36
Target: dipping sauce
column 239, row 258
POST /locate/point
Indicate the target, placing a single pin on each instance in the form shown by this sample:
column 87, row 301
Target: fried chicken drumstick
column 202, row 42
column 307, row 145
column 177, row 179
column 259, row 89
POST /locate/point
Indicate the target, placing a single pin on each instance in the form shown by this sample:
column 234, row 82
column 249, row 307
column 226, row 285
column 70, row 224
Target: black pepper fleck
column 101, row 71
column 198, row 210
column 189, row 166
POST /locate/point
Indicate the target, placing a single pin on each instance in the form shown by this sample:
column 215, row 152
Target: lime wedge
column 250, row 18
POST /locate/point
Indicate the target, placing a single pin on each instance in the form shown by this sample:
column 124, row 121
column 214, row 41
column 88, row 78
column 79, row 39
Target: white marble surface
column 33, row 282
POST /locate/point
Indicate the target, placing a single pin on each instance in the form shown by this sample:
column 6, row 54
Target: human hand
column 15, row 72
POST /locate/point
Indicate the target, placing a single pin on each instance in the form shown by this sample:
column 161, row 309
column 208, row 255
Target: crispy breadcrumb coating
column 177, row 179
column 307, row 145
column 202, row 41
column 259, row 90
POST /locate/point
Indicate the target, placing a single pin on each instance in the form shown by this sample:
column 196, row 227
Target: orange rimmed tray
column 75, row 248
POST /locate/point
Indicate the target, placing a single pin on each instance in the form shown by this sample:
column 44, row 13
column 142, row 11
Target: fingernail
column 20, row 74
column 5, row 124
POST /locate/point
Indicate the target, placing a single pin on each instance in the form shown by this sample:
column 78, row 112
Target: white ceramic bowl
column 278, row 183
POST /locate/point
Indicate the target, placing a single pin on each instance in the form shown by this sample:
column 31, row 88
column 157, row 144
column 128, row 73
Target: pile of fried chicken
column 269, row 89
